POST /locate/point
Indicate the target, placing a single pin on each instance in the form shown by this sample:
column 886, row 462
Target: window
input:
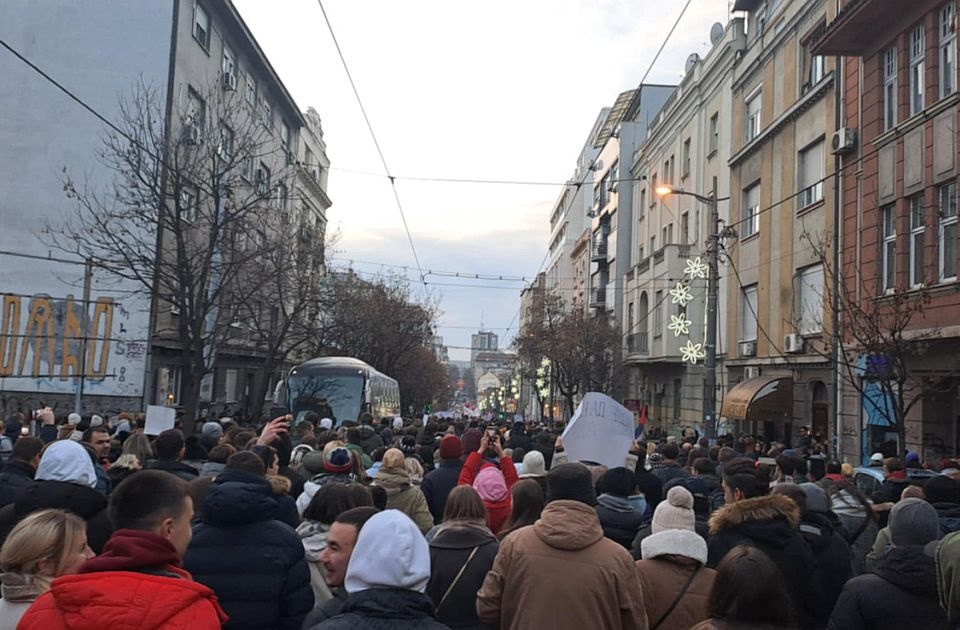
column 667, row 235
column 811, row 300
column 630, row 315
column 225, row 148
column 285, row 137
column 948, row 49
column 266, row 112
column 917, row 226
column 677, row 397
column 948, row 232
column 753, row 116
column 658, row 314
column 748, row 314
column 685, row 158
column 263, row 180
column 818, row 69
column 714, row 132
column 889, row 256
column 196, row 110
column 281, row 198
column 890, row 88
column 189, row 202
column 640, row 253
column 201, row 26
column 751, row 210
column 672, row 171
column 251, row 91
column 916, row 70
column 811, row 174
column 653, row 188
column 229, row 68
column 653, row 243
column 643, row 204
column 246, row 170
column 667, row 173
column 685, row 228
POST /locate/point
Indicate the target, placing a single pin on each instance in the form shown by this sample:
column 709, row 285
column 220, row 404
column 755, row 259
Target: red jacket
column 109, row 592
column 498, row 512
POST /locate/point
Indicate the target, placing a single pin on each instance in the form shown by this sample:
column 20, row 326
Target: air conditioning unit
column 748, row 348
column 613, row 187
column 230, row 81
column 597, row 166
column 844, row 140
column 191, row 133
column 751, row 372
column 793, row 344
column 659, row 388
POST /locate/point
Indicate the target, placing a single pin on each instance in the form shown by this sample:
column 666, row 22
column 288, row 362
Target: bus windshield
column 342, row 392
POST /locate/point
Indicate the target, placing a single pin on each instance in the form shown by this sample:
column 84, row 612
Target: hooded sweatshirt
column 68, row 461
column 487, row 480
column 313, row 534
column 404, row 496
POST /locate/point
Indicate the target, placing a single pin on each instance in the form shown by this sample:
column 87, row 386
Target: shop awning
column 762, row 399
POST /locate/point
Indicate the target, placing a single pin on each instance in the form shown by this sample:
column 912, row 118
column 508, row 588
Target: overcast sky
column 455, row 89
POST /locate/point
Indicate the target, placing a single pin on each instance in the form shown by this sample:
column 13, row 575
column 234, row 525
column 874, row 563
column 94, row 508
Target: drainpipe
column 835, row 289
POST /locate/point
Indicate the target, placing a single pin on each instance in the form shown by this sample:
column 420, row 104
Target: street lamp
column 710, row 343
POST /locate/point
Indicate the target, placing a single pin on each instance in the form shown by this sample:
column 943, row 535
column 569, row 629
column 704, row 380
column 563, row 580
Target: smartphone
column 24, row 430
column 492, row 433
column 278, row 410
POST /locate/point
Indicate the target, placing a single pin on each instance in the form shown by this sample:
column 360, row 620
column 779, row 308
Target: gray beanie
column 913, row 522
column 816, row 498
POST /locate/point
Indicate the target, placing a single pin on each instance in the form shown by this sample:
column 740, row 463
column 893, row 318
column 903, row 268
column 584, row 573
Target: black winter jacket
column 620, row 522
column 438, row 483
column 16, row 476
column 650, row 485
column 831, row 561
column 449, row 551
column 901, row 593
column 253, row 562
column 184, row 471
column 669, row 470
column 83, row 501
column 384, row 609
column 769, row 524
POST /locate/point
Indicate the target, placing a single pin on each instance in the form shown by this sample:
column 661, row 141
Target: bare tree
column 197, row 203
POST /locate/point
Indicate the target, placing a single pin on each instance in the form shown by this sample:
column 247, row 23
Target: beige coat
column 562, row 573
column 669, row 558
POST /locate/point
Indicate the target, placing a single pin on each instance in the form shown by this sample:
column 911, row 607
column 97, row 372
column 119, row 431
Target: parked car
column 869, row 479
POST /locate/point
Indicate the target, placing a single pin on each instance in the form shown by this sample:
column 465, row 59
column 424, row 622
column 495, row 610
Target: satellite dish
column 716, row 33
column 692, row 60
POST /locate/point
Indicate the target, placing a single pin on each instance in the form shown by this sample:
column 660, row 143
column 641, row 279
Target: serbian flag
column 638, row 432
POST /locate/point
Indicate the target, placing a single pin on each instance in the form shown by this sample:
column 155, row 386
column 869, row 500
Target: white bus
column 348, row 386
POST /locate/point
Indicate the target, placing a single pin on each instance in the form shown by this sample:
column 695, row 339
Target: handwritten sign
column 159, row 419
column 600, row 431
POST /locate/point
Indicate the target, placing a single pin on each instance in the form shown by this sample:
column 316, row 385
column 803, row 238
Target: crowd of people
column 387, row 523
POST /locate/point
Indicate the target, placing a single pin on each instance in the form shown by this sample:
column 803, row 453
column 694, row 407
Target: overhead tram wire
column 376, row 143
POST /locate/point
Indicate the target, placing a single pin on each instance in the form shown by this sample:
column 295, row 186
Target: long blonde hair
column 52, row 535
column 138, row 444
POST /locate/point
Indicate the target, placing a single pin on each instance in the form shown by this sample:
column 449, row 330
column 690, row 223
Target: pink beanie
column 490, row 484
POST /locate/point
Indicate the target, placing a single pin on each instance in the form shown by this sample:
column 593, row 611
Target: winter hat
column 619, row 482
column 471, row 440
column 817, row 500
column 490, row 484
column 398, row 424
column 451, row 448
column 211, row 429
column 570, row 482
column 876, row 458
column 337, row 459
column 65, row 460
column 674, row 512
column 913, row 522
column 390, row 552
column 96, row 421
column 942, row 489
column 73, row 418
column 408, row 444
column 912, row 457
column 534, row 465
column 326, row 424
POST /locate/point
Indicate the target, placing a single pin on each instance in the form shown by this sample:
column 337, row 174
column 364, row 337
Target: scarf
column 468, row 524
column 23, row 587
column 134, row 550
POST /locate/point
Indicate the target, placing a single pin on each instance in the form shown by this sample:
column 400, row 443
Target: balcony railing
column 637, row 343
column 598, row 298
column 598, row 252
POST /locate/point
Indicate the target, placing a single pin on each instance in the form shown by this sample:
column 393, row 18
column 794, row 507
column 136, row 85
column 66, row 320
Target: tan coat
column 562, row 573
column 669, row 558
column 406, row 497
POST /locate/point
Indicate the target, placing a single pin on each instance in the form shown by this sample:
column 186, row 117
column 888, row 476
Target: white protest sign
column 600, row 431
column 159, row 419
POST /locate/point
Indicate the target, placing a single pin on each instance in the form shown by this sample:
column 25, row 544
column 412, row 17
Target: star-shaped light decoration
column 680, row 325
column 681, row 294
column 696, row 268
column 692, row 352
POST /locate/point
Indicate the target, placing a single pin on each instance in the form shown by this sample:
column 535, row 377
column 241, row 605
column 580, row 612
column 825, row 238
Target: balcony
column 598, row 252
column 598, row 298
column 637, row 343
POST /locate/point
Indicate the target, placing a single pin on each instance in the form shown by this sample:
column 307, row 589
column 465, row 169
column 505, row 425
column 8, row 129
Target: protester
column 619, row 519
column 562, row 572
column 43, row 546
column 856, row 517
column 902, row 590
column 669, row 467
column 19, row 470
column 48, row 431
column 253, row 562
column 210, row 434
column 749, row 592
column 535, row 467
column 170, row 447
column 387, row 578
column 947, row 561
column 401, row 493
column 894, row 483
column 675, row 583
column 139, row 444
column 461, row 554
column 335, row 558
column 279, row 485
column 438, row 483
column 492, row 482
column 125, row 466
column 526, row 505
column 65, row 480
column 217, row 460
column 334, row 464
column 137, row 582
column 944, row 494
column 327, row 504
column 770, row 523
column 283, row 445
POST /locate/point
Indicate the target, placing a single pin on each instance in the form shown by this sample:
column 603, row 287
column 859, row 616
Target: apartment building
column 778, row 361
column 897, row 147
column 687, row 148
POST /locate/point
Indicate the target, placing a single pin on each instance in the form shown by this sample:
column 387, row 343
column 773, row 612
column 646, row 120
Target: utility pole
column 710, row 361
column 85, row 325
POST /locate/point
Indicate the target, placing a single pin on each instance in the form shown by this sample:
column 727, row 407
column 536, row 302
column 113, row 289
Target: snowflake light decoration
column 696, row 268
column 680, row 325
column 692, row 352
column 681, row 294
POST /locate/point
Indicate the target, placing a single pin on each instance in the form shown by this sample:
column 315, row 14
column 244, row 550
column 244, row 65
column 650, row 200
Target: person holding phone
column 492, row 481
